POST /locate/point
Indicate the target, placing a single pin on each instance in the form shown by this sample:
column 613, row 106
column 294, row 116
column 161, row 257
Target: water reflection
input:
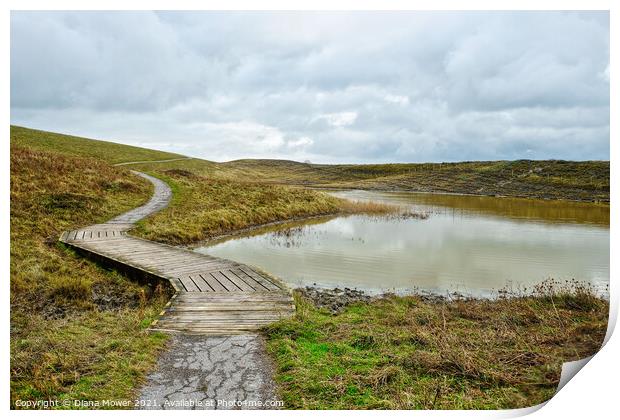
column 472, row 245
column 551, row 211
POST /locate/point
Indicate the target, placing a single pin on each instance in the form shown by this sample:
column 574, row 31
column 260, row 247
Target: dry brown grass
column 204, row 207
column 368, row 207
column 77, row 330
column 415, row 353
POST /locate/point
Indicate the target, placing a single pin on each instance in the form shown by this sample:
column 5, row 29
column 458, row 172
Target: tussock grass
column 368, row 207
column 77, row 330
column 418, row 353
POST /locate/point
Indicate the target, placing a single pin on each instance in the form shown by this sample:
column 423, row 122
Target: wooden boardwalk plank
column 201, row 283
column 215, row 285
column 262, row 280
column 189, row 284
column 213, row 295
column 238, row 281
column 249, row 280
column 225, row 281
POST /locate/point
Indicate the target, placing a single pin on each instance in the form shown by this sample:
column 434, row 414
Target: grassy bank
column 204, row 207
column 415, row 353
column 77, row 330
column 551, row 179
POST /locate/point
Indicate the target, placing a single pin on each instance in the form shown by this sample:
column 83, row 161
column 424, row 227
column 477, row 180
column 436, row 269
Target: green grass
column 77, row 330
column 82, row 147
column 410, row 353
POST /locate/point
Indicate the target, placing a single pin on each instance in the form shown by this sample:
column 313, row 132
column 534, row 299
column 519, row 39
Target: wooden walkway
column 212, row 295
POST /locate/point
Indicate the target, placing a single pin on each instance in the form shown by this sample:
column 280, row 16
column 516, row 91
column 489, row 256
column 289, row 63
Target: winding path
column 212, row 295
column 216, row 359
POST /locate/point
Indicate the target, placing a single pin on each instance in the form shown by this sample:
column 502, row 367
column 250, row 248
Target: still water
column 471, row 245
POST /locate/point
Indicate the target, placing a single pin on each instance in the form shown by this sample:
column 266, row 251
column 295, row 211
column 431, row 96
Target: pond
column 468, row 244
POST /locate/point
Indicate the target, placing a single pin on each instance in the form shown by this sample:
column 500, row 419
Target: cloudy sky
column 325, row 87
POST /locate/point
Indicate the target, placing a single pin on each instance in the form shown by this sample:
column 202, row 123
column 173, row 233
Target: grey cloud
column 329, row 87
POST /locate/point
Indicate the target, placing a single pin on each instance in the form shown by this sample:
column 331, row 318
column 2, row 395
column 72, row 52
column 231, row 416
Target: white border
column 590, row 394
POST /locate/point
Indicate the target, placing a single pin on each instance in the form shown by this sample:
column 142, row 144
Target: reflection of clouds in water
column 472, row 206
column 396, row 244
column 344, row 225
column 473, row 254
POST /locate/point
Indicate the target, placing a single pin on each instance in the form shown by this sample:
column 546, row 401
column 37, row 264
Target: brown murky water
column 472, row 245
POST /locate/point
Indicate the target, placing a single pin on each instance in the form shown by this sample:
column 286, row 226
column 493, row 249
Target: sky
column 325, row 87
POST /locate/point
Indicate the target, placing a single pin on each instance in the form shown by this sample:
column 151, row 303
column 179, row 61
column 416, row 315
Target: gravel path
column 160, row 199
column 207, row 372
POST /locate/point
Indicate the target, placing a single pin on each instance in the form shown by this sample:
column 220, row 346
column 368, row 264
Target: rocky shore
column 334, row 300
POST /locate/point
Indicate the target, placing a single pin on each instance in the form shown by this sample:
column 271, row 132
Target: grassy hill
column 83, row 147
column 548, row 179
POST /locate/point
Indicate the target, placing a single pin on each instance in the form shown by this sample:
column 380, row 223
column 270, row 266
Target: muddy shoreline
column 335, row 300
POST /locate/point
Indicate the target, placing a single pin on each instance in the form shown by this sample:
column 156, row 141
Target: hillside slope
column 83, row 147
column 548, row 179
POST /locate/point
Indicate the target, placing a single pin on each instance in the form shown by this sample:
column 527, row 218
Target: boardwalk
column 212, row 295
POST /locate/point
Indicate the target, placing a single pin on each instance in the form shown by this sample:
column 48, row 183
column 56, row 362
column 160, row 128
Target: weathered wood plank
column 211, row 315
column 192, row 267
column 237, row 280
column 261, row 279
column 201, row 283
column 234, row 297
column 226, row 308
column 249, row 280
column 189, row 284
column 225, row 281
column 213, row 284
